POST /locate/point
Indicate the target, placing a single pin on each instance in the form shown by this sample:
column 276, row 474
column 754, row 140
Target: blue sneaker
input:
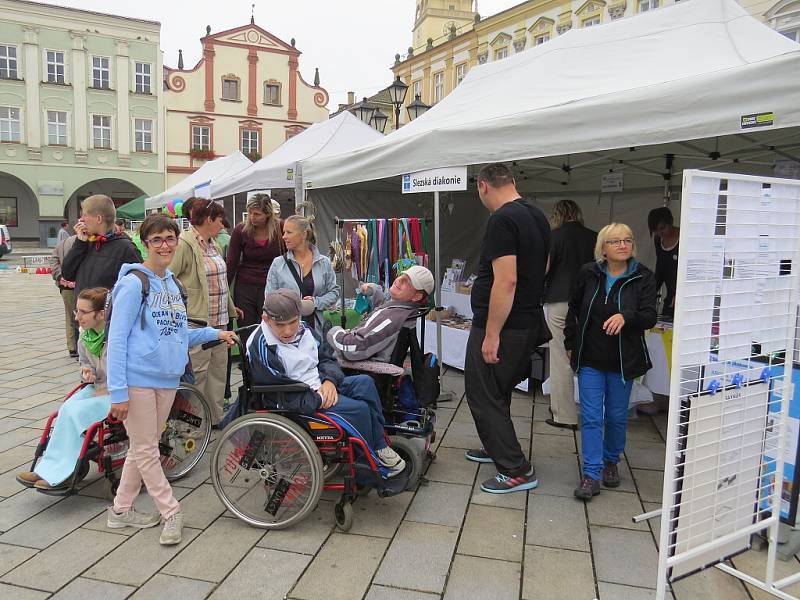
column 503, row 484
column 478, row 455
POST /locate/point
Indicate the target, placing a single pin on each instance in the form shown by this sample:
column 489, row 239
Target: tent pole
column 444, row 396
column 299, row 192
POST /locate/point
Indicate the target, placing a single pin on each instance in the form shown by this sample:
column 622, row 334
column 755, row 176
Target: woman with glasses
column 612, row 303
column 200, row 267
column 254, row 245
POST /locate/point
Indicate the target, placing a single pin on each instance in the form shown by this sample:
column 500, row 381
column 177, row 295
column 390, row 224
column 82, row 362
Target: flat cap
column 282, row 305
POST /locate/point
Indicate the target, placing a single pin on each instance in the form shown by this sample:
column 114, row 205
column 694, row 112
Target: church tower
column 435, row 18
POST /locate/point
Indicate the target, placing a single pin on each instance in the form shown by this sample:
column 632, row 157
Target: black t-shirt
column 308, row 290
column 515, row 229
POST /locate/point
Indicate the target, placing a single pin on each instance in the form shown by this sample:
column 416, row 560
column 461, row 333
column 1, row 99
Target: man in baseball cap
column 376, row 337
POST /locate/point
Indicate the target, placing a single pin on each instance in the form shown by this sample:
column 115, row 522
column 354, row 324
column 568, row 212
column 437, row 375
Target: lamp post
column 363, row 110
column 416, row 108
column 379, row 120
column 397, row 92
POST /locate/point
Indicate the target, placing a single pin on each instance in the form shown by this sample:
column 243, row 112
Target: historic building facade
column 246, row 93
column 80, row 112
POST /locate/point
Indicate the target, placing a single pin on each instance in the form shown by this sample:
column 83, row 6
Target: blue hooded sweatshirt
column 149, row 352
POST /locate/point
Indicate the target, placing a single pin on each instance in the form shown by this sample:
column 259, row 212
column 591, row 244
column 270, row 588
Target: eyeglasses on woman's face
column 78, row 313
column 157, row 242
column 617, row 243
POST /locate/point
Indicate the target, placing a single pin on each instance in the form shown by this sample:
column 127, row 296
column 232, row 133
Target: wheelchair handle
column 209, row 345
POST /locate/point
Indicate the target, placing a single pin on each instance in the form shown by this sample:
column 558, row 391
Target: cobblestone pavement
column 445, row 540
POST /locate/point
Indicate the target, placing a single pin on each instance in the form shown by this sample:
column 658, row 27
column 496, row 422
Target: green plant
column 253, row 155
column 51, row 232
column 201, row 154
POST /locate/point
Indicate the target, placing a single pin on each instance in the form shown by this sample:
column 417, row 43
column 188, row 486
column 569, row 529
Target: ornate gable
column 251, row 35
column 592, row 6
column 542, row 25
column 502, row 39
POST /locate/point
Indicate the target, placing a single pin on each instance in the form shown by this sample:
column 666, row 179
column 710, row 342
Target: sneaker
column 392, row 460
column 478, row 456
column 503, row 484
column 610, row 475
column 131, row 519
column 589, row 487
column 173, row 528
column 28, row 478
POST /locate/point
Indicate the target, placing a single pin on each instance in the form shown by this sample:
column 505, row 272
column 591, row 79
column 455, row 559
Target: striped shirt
column 217, row 276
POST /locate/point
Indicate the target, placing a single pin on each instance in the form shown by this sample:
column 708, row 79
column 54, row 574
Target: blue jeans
column 360, row 405
column 604, row 418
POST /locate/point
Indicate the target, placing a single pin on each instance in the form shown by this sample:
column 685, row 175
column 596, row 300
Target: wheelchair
column 182, row 444
column 270, row 467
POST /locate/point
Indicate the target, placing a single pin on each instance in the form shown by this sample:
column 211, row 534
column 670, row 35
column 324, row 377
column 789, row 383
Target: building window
column 143, row 135
column 56, row 128
column 249, row 141
column 230, row 88
column 55, row 67
column 591, row 21
column 272, row 93
column 645, row 5
column 8, row 212
column 438, row 87
column 101, row 131
column 541, row 39
column 9, row 124
column 792, row 34
column 8, row 62
column 417, row 89
column 142, row 78
column 201, row 137
column 101, row 73
column 461, row 72
column 501, row 53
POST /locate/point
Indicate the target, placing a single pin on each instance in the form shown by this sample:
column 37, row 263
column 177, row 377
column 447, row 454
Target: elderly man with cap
column 375, row 338
column 283, row 351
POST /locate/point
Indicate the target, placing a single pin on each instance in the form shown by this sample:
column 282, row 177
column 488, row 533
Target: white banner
column 450, row 179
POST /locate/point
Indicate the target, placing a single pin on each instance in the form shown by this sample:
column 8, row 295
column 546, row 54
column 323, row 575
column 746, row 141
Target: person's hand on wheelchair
column 229, row 337
column 328, row 393
column 119, row 411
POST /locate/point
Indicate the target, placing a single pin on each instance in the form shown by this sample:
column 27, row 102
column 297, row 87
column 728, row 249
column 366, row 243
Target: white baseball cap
column 421, row 278
column 276, row 207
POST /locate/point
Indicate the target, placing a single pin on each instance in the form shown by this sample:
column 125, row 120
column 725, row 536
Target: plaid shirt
column 217, row 276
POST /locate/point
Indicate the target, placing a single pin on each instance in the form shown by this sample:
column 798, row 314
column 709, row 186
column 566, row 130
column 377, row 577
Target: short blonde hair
column 611, row 231
column 100, row 205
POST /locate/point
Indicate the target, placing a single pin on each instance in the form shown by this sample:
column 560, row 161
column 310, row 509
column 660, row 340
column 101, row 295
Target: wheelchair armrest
column 369, row 366
column 284, row 388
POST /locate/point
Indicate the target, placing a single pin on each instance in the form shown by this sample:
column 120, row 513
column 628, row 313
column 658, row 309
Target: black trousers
column 250, row 298
column 489, row 388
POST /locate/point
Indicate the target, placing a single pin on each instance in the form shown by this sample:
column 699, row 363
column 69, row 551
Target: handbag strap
column 297, row 279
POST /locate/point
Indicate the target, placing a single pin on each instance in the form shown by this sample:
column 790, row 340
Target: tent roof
column 213, row 169
column 684, row 72
column 339, row 134
column 133, row 209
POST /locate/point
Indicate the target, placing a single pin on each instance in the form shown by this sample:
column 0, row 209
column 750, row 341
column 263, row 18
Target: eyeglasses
column 79, row 313
column 157, row 242
column 618, row 243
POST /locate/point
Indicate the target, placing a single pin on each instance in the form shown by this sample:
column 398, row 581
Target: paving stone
column 23, row 506
column 168, row 586
column 643, row 431
column 483, row 579
column 198, row 475
column 216, row 551
column 343, row 568
column 492, row 532
column 650, row 484
column 305, row 537
column 46, row 405
column 626, row 557
column 521, row 406
column 514, row 500
column 9, row 484
column 269, row 574
column 201, row 507
column 439, row 503
column 55, row 566
column 83, row 589
column 557, row 476
column 54, row 522
column 12, row 556
column 16, row 437
column 754, row 563
column 541, row 411
column 553, row 445
column 547, row 570
column 461, row 435
column 710, row 583
column 419, row 557
column 641, row 455
column 450, row 466
column 380, row 517
column 14, row 458
column 613, row 591
column 542, row 428
column 616, row 509
column 19, row 593
column 141, row 549
column 11, row 423
column 381, row 592
column 557, row 522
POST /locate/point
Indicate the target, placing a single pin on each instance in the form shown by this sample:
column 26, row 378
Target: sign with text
column 611, row 182
column 450, row 179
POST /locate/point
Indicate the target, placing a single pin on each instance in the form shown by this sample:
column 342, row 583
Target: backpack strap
column 145, row 281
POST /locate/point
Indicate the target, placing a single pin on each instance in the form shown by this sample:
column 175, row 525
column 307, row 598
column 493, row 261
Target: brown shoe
column 28, row 478
column 610, row 475
column 42, row 485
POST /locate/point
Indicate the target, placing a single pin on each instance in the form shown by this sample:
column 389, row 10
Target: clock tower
column 434, row 19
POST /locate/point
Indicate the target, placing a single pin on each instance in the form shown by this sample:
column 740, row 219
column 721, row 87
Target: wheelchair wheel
column 409, row 451
column 343, row 512
column 267, row 470
column 187, row 432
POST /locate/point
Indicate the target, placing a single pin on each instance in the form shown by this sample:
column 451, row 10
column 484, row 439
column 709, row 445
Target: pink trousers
column 148, row 409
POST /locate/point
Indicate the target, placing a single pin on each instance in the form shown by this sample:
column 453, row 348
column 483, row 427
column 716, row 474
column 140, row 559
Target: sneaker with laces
column 391, row 460
column 503, row 484
column 131, row 519
column 478, row 455
column 589, row 487
column 610, row 475
column 173, row 529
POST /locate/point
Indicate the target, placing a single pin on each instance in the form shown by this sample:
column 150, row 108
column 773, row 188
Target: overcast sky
column 352, row 42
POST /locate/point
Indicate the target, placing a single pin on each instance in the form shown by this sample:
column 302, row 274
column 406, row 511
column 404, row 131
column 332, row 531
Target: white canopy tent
column 282, row 167
column 209, row 172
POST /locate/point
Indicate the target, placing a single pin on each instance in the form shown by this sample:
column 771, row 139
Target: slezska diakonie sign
column 450, row 179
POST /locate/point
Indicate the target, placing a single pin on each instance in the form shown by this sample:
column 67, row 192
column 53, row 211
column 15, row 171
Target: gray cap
column 282, row 305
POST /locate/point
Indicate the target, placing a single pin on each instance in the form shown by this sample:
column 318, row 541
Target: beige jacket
column 189, row 267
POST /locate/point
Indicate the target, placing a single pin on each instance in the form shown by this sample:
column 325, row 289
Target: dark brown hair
column 96, row 296
column 496, row 175
column 202, row 209
column 156, row 224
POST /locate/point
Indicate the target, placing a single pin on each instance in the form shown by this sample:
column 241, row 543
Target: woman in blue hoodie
column 148, row 348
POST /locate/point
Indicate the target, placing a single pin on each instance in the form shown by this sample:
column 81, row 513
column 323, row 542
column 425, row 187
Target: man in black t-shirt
column 507, row 325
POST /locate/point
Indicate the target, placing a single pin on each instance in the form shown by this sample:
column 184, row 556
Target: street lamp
column 416, row 108
column 397, row 92
column 363, row 110
column 379, row 120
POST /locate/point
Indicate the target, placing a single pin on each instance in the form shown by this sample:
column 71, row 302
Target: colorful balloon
column 171, row 207
column 179, row 209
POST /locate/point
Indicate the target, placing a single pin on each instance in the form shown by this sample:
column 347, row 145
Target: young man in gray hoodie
column 375, row 338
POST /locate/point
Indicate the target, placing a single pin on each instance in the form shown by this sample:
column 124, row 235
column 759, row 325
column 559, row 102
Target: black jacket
column 266, row 368
column 635, row 298
column 571, row 247
column 90, row 265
